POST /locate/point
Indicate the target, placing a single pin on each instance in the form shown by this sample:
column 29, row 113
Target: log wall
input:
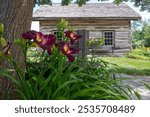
column 95, row 28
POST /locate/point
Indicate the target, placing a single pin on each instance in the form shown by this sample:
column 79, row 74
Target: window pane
column 108, row 36
column 58, row 35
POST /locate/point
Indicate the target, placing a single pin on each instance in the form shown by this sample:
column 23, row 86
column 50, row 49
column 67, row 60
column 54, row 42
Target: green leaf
column 59, row 89
column 62, row 25
column 20, row 42
column 147, row 85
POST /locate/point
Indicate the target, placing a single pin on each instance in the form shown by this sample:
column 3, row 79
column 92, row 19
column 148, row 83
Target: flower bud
column 1, row 27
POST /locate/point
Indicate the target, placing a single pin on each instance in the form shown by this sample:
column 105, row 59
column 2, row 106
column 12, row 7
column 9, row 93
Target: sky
column 145, row 15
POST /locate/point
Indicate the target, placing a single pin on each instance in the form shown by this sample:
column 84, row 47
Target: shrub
column 140, row 53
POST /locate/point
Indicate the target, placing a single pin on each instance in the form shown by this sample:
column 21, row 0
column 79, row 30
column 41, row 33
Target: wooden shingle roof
column 90, row 10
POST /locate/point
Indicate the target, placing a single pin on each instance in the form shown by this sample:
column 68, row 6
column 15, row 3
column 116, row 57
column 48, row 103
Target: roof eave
column 67, row 18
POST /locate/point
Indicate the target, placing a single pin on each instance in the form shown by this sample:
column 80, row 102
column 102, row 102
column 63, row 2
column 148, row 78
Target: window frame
column 113, row 38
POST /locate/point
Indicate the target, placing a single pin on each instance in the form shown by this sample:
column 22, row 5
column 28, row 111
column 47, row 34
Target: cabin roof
column 90, row 10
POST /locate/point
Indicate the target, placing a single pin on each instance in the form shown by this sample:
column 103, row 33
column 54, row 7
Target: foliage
column 64, row 2
column 141, row 34
column 53, row 77
column 129, row 65
column 1, row 38
column 147, row 85
column 94, row 44
column 70, row 81
column 140, row 53
column 143, row 4
column 41, row 2
column 147, row 35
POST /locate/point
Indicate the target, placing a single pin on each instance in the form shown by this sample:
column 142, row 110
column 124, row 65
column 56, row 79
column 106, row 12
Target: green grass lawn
column 130, row 66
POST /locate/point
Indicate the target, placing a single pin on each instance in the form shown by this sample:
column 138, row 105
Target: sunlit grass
column 130, row 66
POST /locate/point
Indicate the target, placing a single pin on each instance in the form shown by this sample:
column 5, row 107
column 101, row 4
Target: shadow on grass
column 132, row 71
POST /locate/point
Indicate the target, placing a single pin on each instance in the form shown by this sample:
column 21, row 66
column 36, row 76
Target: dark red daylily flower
column 7, row 48
column 45, row 41
column 72, row 36
column 29, row 35
column 65, row 49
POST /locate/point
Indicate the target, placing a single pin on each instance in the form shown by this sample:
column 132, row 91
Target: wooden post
column 82, row 43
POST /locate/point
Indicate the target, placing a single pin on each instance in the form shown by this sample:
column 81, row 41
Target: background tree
column 147, row 35
column 143, row 4
column 16, row 15
column 141, row 33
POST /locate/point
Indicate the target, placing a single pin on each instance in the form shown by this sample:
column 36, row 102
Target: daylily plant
column 46, row 42
column 3, row 43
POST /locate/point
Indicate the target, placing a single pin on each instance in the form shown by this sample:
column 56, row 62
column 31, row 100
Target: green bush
column 140, row 53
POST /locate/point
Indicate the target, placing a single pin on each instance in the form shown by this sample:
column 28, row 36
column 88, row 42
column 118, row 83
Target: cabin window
column 57, row 34
column 108, row 38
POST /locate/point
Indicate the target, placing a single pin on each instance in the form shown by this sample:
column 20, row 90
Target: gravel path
column 136, row 83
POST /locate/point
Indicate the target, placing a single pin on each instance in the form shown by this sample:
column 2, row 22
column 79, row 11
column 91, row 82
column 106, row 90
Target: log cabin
column 106, row 21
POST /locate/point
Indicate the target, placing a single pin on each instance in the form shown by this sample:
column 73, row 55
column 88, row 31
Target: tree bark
column 16, row 15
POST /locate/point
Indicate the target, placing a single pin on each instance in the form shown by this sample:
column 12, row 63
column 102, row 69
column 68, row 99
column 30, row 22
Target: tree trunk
column 16, row 15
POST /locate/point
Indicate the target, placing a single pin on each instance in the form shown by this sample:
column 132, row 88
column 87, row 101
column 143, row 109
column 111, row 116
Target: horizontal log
column 122, row 50
column 95, row 34
column 121, row 46
column 122, row 34
column 98, row 27
column 100, row 50
column 91, row 22
column 126, row 41
column 122, row 38
column 102, row 54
